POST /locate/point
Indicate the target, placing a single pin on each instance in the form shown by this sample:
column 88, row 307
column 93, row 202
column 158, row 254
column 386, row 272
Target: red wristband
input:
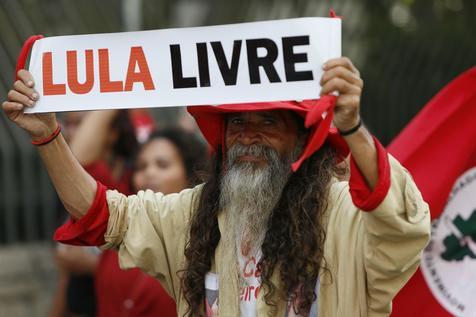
column 49, row 138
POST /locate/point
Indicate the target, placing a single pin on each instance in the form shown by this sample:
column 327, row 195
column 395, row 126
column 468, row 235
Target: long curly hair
column 293, row 244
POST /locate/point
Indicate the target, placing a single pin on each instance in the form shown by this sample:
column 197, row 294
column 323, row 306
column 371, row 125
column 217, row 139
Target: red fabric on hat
column 333, row 14
column 320, row 126
column 211, row 122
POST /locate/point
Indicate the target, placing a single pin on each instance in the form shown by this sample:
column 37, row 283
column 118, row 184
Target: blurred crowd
column 128, row 151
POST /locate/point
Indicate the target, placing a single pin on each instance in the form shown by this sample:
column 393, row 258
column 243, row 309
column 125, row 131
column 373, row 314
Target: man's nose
column 249, row 134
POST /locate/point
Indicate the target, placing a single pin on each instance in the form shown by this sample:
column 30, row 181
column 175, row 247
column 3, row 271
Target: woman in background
column 169, row 162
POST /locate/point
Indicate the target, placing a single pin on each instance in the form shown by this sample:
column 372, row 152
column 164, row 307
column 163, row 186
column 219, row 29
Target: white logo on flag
column 449, row 261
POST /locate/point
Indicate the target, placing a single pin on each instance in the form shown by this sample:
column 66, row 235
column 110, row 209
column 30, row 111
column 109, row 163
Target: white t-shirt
column 251, row 284
column 249, row 291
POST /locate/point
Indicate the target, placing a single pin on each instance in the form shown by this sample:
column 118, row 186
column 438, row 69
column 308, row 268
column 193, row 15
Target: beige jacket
column 370, row 255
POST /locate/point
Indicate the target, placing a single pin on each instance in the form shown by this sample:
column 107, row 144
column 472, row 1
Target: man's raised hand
column 341, row 75
column 22, row 96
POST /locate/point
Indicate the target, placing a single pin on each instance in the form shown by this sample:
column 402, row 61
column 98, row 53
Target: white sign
column 236, row 63
column 449, row 261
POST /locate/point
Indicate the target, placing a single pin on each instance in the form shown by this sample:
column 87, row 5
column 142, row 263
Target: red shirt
column 101, row 171
column 125, row 292
column 130, row 293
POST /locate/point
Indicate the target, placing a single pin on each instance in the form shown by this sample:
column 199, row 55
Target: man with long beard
column 273, row 231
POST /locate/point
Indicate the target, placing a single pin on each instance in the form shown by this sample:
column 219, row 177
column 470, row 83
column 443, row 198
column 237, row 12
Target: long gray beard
column 249, row 194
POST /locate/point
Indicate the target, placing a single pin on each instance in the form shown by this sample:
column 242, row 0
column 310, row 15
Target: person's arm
column 390, row 216
column 77, row 260
column 58, row 304
column 91, row 137
column 341, row 75
column 75, row 187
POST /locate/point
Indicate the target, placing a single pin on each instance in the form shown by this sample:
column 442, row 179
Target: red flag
column 438, row 147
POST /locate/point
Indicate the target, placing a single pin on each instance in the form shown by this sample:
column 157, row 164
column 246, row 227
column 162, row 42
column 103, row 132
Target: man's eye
column 269, row 121
column 236, row 121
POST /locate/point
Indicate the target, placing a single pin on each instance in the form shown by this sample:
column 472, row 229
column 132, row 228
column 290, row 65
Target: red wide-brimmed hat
column 317, row 114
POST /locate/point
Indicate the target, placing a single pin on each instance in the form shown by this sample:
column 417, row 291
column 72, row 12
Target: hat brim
column 210, row 120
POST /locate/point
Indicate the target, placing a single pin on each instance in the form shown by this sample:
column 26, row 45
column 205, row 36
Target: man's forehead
column 284, row 114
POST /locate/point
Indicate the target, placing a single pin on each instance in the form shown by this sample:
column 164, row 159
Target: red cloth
column 318, row 116
column 116, row 289
column 362, row 196
column 21, row 60
column 437, row 146
column 129, row 293
column 101, row 171
column 89, row 229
